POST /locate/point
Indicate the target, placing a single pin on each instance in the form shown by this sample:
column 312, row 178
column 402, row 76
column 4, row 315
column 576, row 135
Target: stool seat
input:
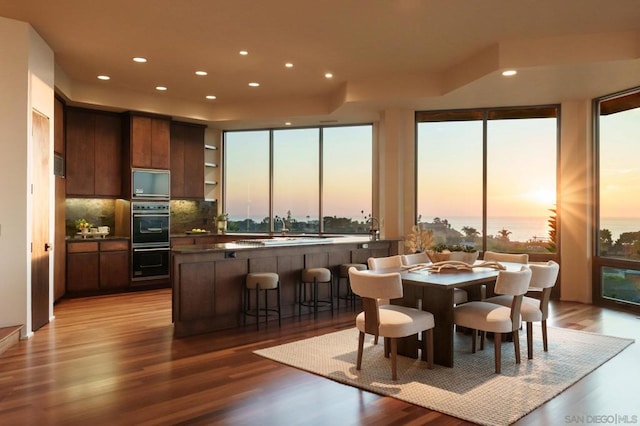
column 319, row 274
column 344, row 268
column 266, row 280
column 261, row 282
column 314, row 277
column 343, row 274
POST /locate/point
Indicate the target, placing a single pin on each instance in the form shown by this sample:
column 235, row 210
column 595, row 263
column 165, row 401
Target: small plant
column 222, row 217
column 82, row 224
column 419, row 239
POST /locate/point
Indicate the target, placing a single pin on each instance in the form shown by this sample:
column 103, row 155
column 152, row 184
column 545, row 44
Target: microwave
column 150, row 184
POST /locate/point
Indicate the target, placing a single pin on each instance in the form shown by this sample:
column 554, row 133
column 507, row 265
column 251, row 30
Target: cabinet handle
column 47, row 246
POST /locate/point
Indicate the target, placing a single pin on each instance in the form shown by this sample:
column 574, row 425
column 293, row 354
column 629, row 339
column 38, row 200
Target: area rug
column 470, row 390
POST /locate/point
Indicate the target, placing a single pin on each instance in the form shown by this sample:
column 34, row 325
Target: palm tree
column 503, row 234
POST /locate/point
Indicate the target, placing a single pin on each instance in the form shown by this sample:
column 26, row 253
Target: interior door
column 40, row 244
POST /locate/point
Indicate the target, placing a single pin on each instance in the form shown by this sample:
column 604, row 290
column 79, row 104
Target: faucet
column 284, row 229
column 374, row 230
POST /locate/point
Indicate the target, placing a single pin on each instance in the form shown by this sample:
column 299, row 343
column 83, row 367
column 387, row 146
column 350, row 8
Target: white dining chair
column 494, row 318
column 390, row 262
column 494, row 256
column 389, row 321
column 543, row 278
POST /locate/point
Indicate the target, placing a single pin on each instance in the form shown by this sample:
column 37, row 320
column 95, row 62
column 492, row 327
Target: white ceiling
column 417, row 54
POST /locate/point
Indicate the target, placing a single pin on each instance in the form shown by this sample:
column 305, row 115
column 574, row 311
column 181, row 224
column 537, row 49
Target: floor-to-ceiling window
column 617, row 262
column 316, row 179
column 487, row 178
column 246, row 180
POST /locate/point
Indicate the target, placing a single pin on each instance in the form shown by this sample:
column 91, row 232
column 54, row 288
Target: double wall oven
column 149, row 240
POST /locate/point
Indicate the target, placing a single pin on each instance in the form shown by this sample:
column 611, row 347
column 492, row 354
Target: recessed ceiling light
column 254, row 84
column 328, row 75
column 244, row 52
column 201, row 73
column 509, row 73
column 288, row 123
column 140, row 60
column 211, row 97
column 161, row 88
column 288, row 65
column 104, row 77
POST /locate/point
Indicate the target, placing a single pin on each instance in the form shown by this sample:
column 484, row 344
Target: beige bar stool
column 343, row 274
column 313, row 277
column 259, row 282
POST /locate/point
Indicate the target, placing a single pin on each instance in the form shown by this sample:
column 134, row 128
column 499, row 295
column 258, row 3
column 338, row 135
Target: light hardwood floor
column 112, row 360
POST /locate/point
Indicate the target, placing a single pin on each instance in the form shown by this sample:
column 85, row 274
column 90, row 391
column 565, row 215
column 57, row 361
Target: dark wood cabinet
column 149, row 142
column 83, row 262
column 94, row 266
column 114, row 264
column 93, row 153
column 187, row 161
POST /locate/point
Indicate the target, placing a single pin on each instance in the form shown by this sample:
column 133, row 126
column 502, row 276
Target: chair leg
column 497, row 344
column 544, row 336
column 279, row 306
column 474, row 340
column 360, row 347
column 386, row 347
column 375, row 339
column 516, row 345
column 245, row 305
column 394, row 358
column 315, row 298
column 483, row 336
column 258, row 307
column 530, row 340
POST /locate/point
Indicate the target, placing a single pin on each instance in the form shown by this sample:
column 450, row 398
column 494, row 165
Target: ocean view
column 521, row 228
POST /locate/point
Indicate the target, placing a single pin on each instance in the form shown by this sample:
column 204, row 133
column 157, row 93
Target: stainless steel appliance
column 149, row 240
column 150, row 184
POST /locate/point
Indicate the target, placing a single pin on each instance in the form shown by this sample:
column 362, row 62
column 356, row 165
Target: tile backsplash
column 185, row 214
column 188, row 214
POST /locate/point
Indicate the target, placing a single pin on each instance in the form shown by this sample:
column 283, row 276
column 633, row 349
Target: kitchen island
column 208, row 280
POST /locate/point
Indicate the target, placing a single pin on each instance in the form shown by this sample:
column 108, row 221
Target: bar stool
column 314, row 277
column 261, row 282
column 343, row 274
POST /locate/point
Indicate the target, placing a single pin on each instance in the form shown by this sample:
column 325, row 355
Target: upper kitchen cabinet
column 187, row 161
column 93, row 153
column 148, row 141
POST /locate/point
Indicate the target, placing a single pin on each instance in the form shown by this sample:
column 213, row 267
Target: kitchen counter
column 207, row 280
column 78, row 238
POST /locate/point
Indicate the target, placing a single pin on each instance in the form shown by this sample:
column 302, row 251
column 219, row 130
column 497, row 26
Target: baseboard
column 9, row 336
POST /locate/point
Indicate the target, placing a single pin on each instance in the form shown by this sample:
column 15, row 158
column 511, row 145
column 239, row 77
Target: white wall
column 26, row 82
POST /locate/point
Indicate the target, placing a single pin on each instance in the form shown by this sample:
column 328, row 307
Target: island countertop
column 274, row 241
column 208, row 279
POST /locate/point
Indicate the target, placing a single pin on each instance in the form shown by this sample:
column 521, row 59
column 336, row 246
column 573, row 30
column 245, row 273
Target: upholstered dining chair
column 415, row 259
column 498, row 319
column 389, row 321
column 389, row 262
column 543, row 278
column 459, row 295
column 392, row 263
column 506, row 257
column 493, row 256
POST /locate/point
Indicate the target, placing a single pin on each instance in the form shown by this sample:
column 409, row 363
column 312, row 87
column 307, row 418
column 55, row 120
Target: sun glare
column 543, row 196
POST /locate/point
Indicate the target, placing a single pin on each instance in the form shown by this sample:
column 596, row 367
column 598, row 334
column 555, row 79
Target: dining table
column 432, row 291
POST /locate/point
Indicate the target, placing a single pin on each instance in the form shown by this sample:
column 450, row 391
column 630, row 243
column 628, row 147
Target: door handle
column 47, row 246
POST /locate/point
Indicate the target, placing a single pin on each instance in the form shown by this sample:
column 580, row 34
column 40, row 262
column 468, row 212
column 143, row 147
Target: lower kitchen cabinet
column 94, row 266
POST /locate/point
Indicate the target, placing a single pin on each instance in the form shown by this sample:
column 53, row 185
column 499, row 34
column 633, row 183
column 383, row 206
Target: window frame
column 272, row 223
column 485, row 115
